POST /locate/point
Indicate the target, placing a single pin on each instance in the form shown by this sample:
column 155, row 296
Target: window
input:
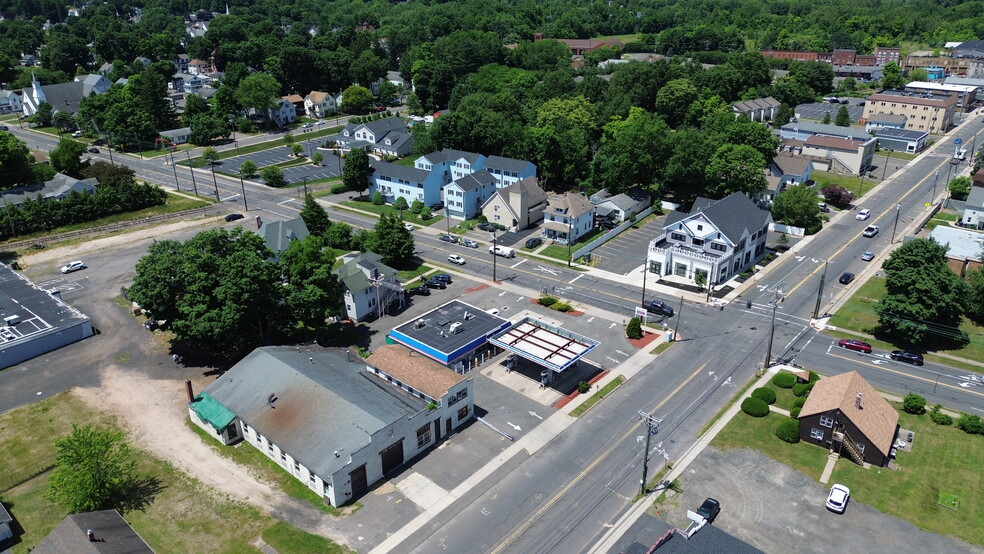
column 283, row 456
column 719, row 247
column 816, row 434
column 463, row 413
column 423, row 436
column 297, row 467
column 680, row 270
column 826, row 421
column 700, row 227
column 245, row 428
column 698, row 242
column 860, row 447
column 678, row 236
column 457, row 397
column 270, row 447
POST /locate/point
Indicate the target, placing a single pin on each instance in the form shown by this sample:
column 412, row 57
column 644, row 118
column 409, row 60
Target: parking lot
column 816, row 110
column 628, row 251
column 777, row 509
column 330, row 167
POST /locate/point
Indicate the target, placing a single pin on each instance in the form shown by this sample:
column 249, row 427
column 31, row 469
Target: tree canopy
column 797, row 205
column 95, row 469
column 355, row 171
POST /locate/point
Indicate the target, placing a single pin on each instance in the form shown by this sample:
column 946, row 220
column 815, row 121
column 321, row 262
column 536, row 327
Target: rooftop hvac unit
column 456, row 327
column 419, row 324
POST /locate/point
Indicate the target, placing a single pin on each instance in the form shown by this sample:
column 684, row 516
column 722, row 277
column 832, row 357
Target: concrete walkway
column 829, row 467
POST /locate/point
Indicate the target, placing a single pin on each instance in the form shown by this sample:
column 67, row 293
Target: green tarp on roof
column 208, row 409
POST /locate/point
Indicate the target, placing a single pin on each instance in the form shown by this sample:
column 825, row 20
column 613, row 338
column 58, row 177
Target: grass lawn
column 183, row 515
column 784, row 397
column 408, row 216
column 849, row 182
column 941, row 218
column 943, row 460
column 407, row 275
column 596, row 397
column 283, row 537
column 745, row 431
column 559, row 251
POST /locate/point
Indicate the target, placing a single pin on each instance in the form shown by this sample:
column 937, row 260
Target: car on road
column 837, row 498
column 419, row 291
column 709, row 509
column 77, row 134
column 469, row 243
column 908, row 357
column 867, row 256
column 456, row 259
column 845, row 101
column 233, row 217
column 448, row 238
column 435, row 284
column 4, row 128
column 443, row 277
column 846, row 278
column 73, row 266
column 307, row 125
column 855, row 344
column 408, row 227
column 534, row 242
column 863, row 215
column 870, row 231
column 93, row 150
column 658, row 307
column 487, row 226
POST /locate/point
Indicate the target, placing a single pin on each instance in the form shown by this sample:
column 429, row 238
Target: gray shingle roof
column 732, row 215
column 279, row 234
column 480, row 179
column 829, row 130
column 976, row 197
column 449, row 154
column 324, row 402
column 58, row 187
column 112, row 533
column 380, row 127
column 506, row 164
column 64, row 97
column 904, row 134
column 623, row 201
column 647, row 530
column 354, row 278
column 393, row 171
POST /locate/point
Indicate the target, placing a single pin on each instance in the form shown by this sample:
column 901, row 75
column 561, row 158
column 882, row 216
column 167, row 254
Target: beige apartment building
column 923, row 111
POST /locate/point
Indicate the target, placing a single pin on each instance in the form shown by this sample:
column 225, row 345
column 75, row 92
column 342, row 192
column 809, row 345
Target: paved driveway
column 628, row 251
column 773, row 507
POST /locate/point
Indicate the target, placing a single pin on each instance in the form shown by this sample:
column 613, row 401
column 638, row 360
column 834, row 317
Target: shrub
column 416, row 207
column 784, row 380
column 971, row 424
column 754, row 407
column 788, row 430
column 765, row 394
column 425, row 213
column 634, row 330
column 338, row 189
column 401, row 204
column 940, row 418
column 914, row 404
column 482, row 219
column 802, row 389
column 799, row 402
column 583, row 387
column 795, row 412
column 378, row 198
column 547, row 300
column 562, row 307
column 814, row 376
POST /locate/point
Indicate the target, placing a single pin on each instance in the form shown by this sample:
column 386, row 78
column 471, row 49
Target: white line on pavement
column 575, row 279
column 524, row 260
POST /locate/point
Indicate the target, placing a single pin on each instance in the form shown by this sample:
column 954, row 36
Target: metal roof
column 542, row 343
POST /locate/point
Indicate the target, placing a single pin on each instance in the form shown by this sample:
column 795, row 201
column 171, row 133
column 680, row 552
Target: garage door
column 392, row 456
column 359, row 482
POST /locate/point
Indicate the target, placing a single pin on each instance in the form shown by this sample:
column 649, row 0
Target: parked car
column 846, row 278
column 77, row 134
column 845, row 101
column 456, row 259
column 419, row 291
column 93, row 150
column 870, row 231
column 609, row 224
column 503, row 251
column 709, row 509
column 443, row 277
column 435, row 284
column 855, row 344
column 307, row 125
column 534, row 242
column 4, row 128
column 907, row 357
column 833, row 100
column 408, row 227
column 863, row 215
column 73, row 266
column 233, row 217
column 658, row 307
column 448, row 238
column 486, row 226
column 837, row 498
column 469, row 243
column 867, row 256
column 823, row 207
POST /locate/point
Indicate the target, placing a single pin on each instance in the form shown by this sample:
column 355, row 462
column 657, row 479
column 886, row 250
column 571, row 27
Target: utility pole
column 861, row 186
column 645, row 270
column 898, row 208
column 192, row 170
column 885, row 168
column 243, row 185
column 772, row 332
column 214, row 183
column 652, row 427
column 932, row 200
column 676, row 328
column 494, row 255
column 174, row 168
column 823, row 279
column 570, row 238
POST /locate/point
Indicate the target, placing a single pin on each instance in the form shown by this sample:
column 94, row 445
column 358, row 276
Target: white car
column 77, row 134
column 837, row 499
column 870, row 231
column 408, row 227
column 73, row 266
column 456, row 259
column 863, row 215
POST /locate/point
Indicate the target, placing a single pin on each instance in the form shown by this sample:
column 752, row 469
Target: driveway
column 778, row 509
column 628, row 251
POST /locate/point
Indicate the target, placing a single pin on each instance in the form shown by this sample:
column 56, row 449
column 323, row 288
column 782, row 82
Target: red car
column 855, row 344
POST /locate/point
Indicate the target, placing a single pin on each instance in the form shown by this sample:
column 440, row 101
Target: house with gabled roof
column 846, row 415
column 103, row 531
column 622, row 206
column 10, row 102
column 757, row 109
column 845, row 154
column 278, row 235
column 5, row 520
column 508, row 170
column 369, row 284
column 330, row 420
column 394, row 180
column 388, row 136
column 319, row 104
column 58, row 188
column 518, row 206
column 567, row 218
column 451, row 164
column 63, row 97
column 464, row 197
column 719, row 238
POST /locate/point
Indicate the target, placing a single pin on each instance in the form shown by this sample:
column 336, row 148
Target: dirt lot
column 778, row 509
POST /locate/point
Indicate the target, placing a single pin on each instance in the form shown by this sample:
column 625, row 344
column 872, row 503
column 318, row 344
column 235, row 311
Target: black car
column 533, row 242
column 419, row 291
column 443, row 277
column 93, row 150
column 233, row 217
column 709, row 509
column 448, row 238
column 846, row 278
column 907, row 357
column 435, row 284
column 658, row 307
column 486, row 226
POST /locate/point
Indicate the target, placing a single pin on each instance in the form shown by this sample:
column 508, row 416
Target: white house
column 278, row 235
column 63, row 97
column 973, row 214
column 333, row 421
column 10, row 102
column 718, row 238
column 464, row 197
column 622, row 206
column 177, row 136
column 283, row 112
column 567, row 218
column 520, row 205
column 395, row 180
column 319, row 104
column 759, row 109
column 383, row 136
column 369, row 284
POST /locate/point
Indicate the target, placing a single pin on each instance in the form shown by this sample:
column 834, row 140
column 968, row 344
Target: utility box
column 11, row 320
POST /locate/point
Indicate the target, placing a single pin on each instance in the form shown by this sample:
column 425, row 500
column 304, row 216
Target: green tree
column 401, row 204
column 797, row 206
column 674, row 100
column 393, row 242
column 315, row 217
column 633, row 152
column 210, row 155
column 289, row 138
column 258, row 91
column 843, row 118
column 924, row 299
column 959, row 188
column 367, row 68
column 355, row 171
column 914, row 404
column 378, row 198
column 296, row 149
column 783, row 115
column 15, row 161
column 273, row 176
column 356, row 100
column 64, row 52
column 247, row 168
column 63, row 121
column 195, row 104
column 634, row 329
column 339, row 236
column 387, row 92
column 313, row 292
column 892, row 76
column 67, row 158
column 826, row 118
column 735, row 168
column 317, row 158
column 975, row 298
column 205, row 128
column 43, row 116
column 95, row 469
column 819, row 76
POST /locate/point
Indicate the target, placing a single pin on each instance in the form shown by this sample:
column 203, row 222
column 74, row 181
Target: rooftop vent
column 469, row 316
column 456, row 327
column 857, row 401
column 419, row 324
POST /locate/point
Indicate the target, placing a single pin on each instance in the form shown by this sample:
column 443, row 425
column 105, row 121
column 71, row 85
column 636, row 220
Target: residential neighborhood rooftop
column 111, row 534
column 732, row 215
column 875, row 417
column 961, row 243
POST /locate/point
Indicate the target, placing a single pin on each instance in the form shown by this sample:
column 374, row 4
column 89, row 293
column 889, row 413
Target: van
column 503, row 251
column 11, row 320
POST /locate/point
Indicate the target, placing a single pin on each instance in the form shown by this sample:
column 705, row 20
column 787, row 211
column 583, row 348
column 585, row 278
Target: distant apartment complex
column 923, row 111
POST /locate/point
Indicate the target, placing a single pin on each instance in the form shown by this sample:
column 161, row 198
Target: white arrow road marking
column 590, row 319
column 545, row 270
column 516, row 427
column 622, row 353
column 501, row 293
column 964, row 385
column 534, row 415
column 610, row 358
column 612, row 325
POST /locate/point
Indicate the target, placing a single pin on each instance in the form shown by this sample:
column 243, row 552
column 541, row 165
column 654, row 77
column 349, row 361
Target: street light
column 823, row 279
column 898, row 207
